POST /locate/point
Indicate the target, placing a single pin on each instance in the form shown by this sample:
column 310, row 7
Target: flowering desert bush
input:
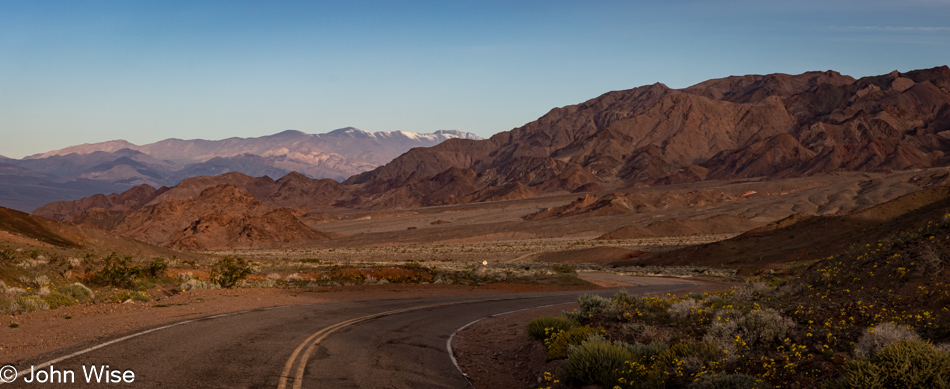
column 560, row 343
column 543, row 327
column 865, row 318
column 904, row 364
column 684, row 308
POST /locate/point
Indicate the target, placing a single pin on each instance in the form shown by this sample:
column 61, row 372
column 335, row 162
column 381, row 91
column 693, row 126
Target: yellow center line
column 311, row 342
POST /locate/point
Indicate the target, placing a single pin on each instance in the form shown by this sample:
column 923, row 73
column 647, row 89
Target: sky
column 85, row 71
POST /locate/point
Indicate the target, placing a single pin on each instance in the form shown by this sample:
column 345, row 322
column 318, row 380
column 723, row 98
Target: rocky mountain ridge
column 737, row 127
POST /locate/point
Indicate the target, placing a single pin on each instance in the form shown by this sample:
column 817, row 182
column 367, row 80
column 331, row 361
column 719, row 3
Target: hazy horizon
column 221, row 139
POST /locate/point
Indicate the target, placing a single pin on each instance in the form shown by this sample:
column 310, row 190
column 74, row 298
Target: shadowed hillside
column 804, row 237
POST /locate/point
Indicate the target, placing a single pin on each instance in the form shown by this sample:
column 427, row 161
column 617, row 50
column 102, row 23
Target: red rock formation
column 67, row 210
column 221, row 217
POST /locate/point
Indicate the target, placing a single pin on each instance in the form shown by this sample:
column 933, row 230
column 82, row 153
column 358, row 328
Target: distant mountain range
column 771, row 126
column 115, row 166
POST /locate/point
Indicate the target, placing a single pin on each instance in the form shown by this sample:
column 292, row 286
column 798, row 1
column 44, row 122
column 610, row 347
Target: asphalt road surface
column 367, row 344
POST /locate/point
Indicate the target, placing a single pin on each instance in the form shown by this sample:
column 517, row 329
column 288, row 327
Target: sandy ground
column 762, row 201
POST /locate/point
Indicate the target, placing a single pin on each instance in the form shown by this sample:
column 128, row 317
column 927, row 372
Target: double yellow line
column 299, row 358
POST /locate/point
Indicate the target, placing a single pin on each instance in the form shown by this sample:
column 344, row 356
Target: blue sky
column 76, row 72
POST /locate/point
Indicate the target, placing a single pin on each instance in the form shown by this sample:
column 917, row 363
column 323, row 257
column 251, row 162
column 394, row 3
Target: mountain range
column 739, row 127
column 774, row 126
column 115, row 166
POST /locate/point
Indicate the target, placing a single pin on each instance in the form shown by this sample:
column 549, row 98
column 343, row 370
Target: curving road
column 368, row 344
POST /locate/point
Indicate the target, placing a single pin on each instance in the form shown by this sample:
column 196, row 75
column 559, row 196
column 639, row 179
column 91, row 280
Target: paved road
column 332, row 345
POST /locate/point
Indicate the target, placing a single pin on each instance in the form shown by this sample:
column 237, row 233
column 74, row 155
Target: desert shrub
column 197, row 284
column 880, row 336
column 15, row 290
column 860, row 373
column 115, row 272
column 123, row 295
column 624, row 298
column 7, row 255
column 764, row 326
column 345, row 274
column 723, row 330
column 31, row 303
column 118, row 296
column 228, row 271
column 563, row 268
column 684, row 308
column 644, row 333
column 678, row 365
column 621, row 307
column 401, row 275
column 751, row 290
column 543, row 327
column 8, row 305
column 77, row 292
column 645, row 352
column 40, row 280
column 702, row 353
column 596, row 362
column 592, row 304
column 931, row 259
column 904, row 364
column 559, row 343
column 914, row 363
column 728, row 381
column 621, row 365
column 730, row 328
column 154, row 268
column 56, row 299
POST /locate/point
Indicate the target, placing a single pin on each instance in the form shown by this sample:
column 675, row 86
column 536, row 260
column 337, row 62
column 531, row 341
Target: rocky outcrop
column 220, row 217
column 125, row 201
